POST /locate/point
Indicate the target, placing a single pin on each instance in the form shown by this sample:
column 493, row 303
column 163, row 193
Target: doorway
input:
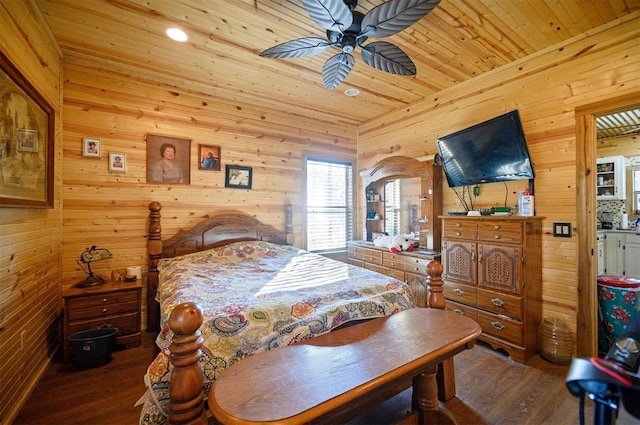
column 586, row 136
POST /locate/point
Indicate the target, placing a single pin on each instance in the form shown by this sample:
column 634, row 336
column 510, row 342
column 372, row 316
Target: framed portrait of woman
column 168, row 159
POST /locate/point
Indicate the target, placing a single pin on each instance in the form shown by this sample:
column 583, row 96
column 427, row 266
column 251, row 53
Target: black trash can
column 93, row 347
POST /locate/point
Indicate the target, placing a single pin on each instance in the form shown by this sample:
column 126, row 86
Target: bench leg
column 425, row 398
column 446, row 380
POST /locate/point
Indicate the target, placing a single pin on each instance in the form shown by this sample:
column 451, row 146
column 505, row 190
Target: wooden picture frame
column 27, row 131
column 237, row 177
column 164, row 168
column 117, row 162
column 91, row 148
column 209, row 157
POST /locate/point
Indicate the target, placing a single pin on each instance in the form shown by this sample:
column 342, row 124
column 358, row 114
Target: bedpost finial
column 155, row 206
column 185, row 319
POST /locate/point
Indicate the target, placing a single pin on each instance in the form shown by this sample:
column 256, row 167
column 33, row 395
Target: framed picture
column 91, row 147
column 117, row 162
column 168, row 159
column 238, row 177
column 209, row 157
column 27, row 124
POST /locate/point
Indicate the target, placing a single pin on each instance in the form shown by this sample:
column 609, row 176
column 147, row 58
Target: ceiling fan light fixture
column 351, row 92
column 176, row 34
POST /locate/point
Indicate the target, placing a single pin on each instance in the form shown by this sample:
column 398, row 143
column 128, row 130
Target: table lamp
column 87, row 257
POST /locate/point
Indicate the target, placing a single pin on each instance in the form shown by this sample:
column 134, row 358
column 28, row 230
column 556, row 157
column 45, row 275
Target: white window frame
column 351, row 208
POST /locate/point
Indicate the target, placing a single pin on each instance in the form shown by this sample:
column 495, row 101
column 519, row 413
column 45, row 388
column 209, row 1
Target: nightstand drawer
column 99, row 300
column 126, row 324
column 103, row 310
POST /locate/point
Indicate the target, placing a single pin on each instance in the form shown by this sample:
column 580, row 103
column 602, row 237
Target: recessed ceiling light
column 352, row 92
column 176, row 34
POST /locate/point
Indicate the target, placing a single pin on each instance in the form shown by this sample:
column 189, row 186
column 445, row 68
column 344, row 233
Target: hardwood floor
column 491, row 389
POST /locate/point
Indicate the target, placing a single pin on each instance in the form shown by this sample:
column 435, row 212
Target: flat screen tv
column 489, row 152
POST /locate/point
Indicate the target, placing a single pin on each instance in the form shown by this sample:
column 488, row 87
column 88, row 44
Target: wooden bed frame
column 186, row 390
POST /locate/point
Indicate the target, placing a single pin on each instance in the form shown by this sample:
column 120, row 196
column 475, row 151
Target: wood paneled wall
column 546, row 88
column 29, row 237
column 120, row 106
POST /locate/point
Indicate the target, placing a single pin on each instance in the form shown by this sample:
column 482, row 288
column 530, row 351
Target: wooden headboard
column 218, row 229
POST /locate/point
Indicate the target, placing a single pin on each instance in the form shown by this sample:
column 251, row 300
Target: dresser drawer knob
column 499, row 326
column 496, row 236
column 458, row 311
column 458, row 233
column 498, row 302
column 104, row 301
column 104, row 311
column 459, row 292
column 497, row 226
column 458, row 224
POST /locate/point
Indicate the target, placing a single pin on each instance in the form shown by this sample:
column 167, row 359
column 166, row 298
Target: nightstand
column 114, row 304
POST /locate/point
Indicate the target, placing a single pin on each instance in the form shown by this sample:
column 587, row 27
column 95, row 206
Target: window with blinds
column 392, row 206
column 329, row 205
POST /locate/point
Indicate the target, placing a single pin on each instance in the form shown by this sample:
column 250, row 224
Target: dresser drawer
column 459, row 229
column 500, row 303
column 416, row 265
column 99, row 300
column 501, row 327
column 396, row 261
column 397, row 274
column 369, row 255
column 459, row 292
column 462, row 309
column 501, row 232
column 102, row 310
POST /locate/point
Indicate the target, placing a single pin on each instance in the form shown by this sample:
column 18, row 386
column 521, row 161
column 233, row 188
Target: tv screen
column 489, row 152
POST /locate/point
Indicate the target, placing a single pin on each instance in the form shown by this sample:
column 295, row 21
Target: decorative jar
column 555, row 341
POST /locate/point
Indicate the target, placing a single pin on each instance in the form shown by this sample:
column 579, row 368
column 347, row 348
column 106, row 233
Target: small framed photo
column 91, row 147
column 209, row 157
column 117, row 162
column 238, row 177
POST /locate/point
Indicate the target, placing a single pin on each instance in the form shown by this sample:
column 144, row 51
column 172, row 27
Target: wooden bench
column 334, row 377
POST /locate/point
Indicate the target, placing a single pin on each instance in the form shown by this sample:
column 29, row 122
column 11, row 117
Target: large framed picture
column 238, row 177
column 27, row 124
column 168, row 159
column 209, row 157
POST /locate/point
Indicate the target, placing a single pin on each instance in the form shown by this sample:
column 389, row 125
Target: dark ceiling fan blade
column 336, row 69
column 394, row 16
column 331, row 15
column 388, row 58
column 297, row 48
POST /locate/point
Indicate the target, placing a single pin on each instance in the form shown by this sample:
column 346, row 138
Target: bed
column 232, row 287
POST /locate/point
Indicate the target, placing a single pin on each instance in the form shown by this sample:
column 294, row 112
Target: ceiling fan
column 348, row 29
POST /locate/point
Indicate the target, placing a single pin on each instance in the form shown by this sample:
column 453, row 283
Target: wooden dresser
column 410, row 267
column 492, row 273
column 115, row 304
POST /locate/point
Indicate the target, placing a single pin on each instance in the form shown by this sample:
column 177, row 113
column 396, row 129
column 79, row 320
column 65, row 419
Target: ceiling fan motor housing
column 348, row 40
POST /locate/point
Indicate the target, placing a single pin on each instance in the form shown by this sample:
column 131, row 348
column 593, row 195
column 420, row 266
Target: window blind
column 329, row 205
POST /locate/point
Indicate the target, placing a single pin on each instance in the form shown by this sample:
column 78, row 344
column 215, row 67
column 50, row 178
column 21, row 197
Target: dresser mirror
column 403, row 197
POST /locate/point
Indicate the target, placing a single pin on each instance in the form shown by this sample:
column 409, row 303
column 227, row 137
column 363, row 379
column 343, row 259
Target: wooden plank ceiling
column 457, row 41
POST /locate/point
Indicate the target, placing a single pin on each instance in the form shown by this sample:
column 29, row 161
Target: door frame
column 586, row 147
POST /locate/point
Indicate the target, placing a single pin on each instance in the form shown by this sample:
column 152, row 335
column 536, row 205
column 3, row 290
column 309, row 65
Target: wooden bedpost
column 154, row 250
column 434, row 283
column 186, row 385
column 446, row 372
